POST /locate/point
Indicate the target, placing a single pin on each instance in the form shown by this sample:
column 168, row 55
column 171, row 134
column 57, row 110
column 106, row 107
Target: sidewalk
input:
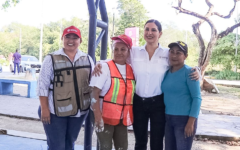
column 234, row 83
column 18, row 143
column 211, row 126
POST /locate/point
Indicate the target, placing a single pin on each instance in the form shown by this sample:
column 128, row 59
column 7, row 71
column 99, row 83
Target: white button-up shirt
column 149, row 74
column 46, row 75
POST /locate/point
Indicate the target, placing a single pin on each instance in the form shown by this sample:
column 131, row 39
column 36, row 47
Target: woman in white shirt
column 149, row 63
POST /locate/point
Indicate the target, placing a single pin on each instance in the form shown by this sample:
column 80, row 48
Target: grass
column 229, row 90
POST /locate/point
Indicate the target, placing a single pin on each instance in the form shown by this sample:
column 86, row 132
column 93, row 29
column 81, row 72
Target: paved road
column 8, row 74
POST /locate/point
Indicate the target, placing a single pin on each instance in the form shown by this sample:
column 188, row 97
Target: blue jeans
column 174, row 133
column 16, row 64
column 63, row 131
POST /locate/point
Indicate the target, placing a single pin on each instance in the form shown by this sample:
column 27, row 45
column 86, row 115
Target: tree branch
column 209, row 3
column 230, row 13
column 228, row 30
column 200, row 42
column 179, row 3
column 182, row 10
column 209, row 13
column 208, row 52
column 204, row 54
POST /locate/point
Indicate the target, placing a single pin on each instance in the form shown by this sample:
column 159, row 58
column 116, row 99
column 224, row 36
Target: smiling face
column 120, row 53
column 71, row 42
column 176, row 56
column 151, row 33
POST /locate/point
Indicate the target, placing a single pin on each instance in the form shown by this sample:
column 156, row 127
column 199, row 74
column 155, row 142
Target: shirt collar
column 144, row 47
column 78, row 54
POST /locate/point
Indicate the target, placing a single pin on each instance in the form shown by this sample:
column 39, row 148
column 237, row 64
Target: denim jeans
column 16, row 64
column 62, row 132
column 174, row 133
column 144, row 109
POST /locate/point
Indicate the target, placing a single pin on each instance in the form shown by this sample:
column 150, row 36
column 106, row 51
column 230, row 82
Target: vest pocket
column 63, row 103
column 85, row 97
column 67, row 75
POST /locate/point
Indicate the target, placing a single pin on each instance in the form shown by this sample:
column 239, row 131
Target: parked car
column 27, row 61
column 0, row 68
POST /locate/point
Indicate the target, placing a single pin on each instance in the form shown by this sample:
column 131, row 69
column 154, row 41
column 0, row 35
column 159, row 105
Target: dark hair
column 157, row 23
column 16, row 50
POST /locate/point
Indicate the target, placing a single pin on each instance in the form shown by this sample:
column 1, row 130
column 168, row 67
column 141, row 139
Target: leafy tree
column 9, row 39
column 206, row 52
column 9, row 3
column 132, row 14
column 172, row 34
column 8, row 43
column 224, row 52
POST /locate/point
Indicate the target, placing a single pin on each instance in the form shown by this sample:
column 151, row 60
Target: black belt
column 148, row 98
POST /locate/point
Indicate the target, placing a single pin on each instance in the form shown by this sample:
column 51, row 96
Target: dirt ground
column 226, row 102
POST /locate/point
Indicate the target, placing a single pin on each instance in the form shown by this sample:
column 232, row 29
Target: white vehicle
column 27, row 61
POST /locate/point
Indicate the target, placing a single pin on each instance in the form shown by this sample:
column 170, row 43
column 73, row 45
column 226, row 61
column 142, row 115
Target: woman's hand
column 189, row 128
column 99, row 124
column 45, row 116
column 196, row 75
column 97, row 70
column 188, row 131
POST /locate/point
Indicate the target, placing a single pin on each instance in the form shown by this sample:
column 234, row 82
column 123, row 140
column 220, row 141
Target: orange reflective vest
column 118, row 102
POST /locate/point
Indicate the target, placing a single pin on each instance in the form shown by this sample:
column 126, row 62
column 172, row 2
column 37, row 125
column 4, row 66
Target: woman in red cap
column 64, row 92
column 149, row 64
column 112, row 99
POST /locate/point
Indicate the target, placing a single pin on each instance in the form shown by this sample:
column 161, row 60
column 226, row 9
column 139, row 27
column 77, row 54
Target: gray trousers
column 117, row 134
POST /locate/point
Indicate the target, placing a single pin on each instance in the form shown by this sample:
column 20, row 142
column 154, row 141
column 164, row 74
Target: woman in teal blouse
column 182, row 98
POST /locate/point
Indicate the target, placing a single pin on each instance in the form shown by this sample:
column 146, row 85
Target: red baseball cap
column 126, row 39
column 72, row 29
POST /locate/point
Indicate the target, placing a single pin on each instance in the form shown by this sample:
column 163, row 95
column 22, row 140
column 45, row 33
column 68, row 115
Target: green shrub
column 212, row 73
column 4, row 62
column 227, row 75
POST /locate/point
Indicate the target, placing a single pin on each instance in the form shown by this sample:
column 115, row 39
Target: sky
column 33, row 12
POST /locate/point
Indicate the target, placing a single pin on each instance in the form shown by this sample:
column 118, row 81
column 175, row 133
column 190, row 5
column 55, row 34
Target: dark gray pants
column 118, row 134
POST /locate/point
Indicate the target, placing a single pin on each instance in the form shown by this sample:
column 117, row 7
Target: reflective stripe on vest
column 118, row 101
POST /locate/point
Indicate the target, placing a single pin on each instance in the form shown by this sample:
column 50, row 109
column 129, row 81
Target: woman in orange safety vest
column 112, row 98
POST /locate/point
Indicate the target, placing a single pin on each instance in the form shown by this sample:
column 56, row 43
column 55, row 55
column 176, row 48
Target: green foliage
column 52, row 32
column 4, row 62
column 10, row 39
column 8, row 3
column 228, row 75
column 224, row 75
column 132, row 14
column 224, row 52
column 172, row 34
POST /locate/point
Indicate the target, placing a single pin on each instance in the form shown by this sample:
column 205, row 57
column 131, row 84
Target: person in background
column 64, row 92
column 182, row 98
column 16, row 58
column 113, row 94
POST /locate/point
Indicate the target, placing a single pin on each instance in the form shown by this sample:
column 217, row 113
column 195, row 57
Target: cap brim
column 173, row 44
column 117, row 38
column 69, row 33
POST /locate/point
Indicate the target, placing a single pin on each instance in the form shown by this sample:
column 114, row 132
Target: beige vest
column 71, row 90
